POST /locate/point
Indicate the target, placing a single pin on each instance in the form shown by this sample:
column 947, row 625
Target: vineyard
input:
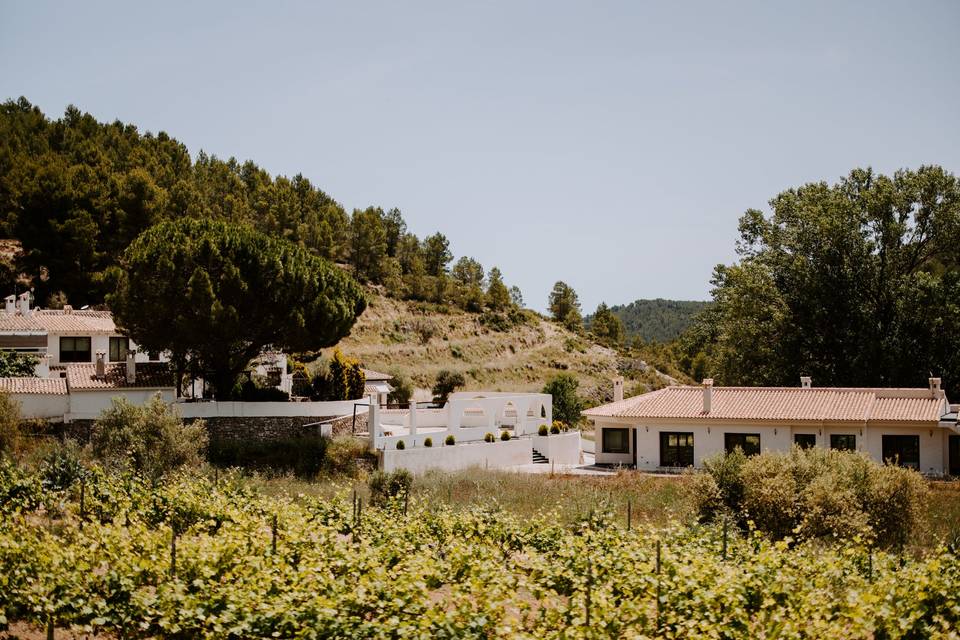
column 204, row 558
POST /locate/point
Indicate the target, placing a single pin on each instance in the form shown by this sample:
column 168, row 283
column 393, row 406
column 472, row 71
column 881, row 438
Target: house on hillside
column 680, row 426
column 63, row 336
column 377, row 384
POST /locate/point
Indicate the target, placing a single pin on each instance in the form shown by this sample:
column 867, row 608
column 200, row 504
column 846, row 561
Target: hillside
column 419, row 340
column 657, row 320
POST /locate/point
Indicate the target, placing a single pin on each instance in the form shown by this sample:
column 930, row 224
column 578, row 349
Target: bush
column 60, row 466
column 488, row 437
column 384, row 486
column 303, row 456
column 428, row 442
column 504, row 435
column 9, row 424
column 554, row 429
column 151, row 439
column 346, row 455
column 543, row 430
column 560, row 426
column 402, row 389
column 813, row 494
column 250, row 391
column 446, row 383
column 400, row 445
column 450, row 440
column 341, row 378
column 566, row 403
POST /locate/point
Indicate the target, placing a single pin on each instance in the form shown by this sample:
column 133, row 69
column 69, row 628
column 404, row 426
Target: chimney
column 935, row 388
column 707, row 394
column 11, row 306
column 805, row 382
column 618, row 389
column 131, row 366
column 23, row 301
column 101, row 366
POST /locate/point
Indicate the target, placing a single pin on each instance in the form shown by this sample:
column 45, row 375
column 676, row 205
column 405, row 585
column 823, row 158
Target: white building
column 680, row 426
column 63, row 336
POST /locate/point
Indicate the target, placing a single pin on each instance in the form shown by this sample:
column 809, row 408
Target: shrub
column 400, row 445
column 561, row 426
column 250, row 391
column 450, row 440
column 566, row 403
column 813, row 493
column 446, row 383
column 60, row 466
column 554, row 429
column 543, row 430
column 346, row 455
column 303, row 456
column 384, row 486
column 150, row 439
column 339, row 379
column 488, row 437
column 504, row 435
column 9, row 424
column 402, row 389
column 428, row 442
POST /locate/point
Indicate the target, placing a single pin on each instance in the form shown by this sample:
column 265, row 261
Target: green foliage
column 10, row 418
column 341, row 379
column 814, row 494
column 14, row 364
column 347, row 455
column 854, row 284
column 489, row 437
column 446, row 383
column 498, row 296
column 400, row 445
column 303, row 456
column 432, row 572
column 450, row 440
column 504, row 435
column 428, row 442
column 564, row 306
column 151, row 439
column 543, row 430
column 214, row 294
column 402, row 388
column 657, row 320
column 605, row 326
column 387, row 485
column 567, row 405
column 249, row 390
column 554, row 429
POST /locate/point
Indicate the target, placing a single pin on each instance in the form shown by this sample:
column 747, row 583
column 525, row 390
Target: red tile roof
column 149, row 375
column 83, row 321
column 376, row 375
column 38, row 386
column 781, row 404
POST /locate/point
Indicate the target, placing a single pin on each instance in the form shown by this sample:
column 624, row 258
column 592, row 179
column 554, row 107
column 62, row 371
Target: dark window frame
column 891, row 448
column 605, row 448
column 836, row 440
column 805, row 440
column 74, row 354
column 126, row 348
column 678, row 454
column 733, row 440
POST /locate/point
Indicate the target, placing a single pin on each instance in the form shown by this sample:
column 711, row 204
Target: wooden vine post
column 173, row 551
column 273, row 535
column 658, row 585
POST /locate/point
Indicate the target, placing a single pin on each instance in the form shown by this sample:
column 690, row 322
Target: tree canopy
column 214, row 294
column 857, row 283
column 564, row 306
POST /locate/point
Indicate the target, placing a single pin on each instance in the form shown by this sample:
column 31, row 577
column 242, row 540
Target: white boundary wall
column 231, row 409
column 559, row 448
column 492, row 455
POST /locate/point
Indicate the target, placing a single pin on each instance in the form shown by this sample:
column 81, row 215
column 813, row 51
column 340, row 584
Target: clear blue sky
column 610, row 145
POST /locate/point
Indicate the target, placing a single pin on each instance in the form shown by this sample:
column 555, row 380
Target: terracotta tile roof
column 780, row 404
column 369, row 389
column 372, row 375
column 58, row 321
column 150, row 375
column 39, row 386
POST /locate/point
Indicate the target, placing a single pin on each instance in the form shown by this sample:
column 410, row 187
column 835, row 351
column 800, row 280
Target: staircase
column 539, row 458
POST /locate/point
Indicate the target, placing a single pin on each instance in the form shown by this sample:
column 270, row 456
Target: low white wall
column 42, row 405
column 493, row 455
column 559, row 448
column 236, row 409
column 88, row 405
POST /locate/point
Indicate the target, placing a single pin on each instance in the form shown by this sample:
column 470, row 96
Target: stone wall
column 263, row 429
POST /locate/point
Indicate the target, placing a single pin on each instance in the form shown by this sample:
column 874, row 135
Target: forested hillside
column 75, row 192
column 656, row 320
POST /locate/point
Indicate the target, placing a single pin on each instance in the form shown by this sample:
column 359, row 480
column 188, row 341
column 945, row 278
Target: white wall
column 559, row 448
column 492, row 455
column 238, row 409
column 97, row 343
column 933, row 445
column 88, row 405
column 42, row 405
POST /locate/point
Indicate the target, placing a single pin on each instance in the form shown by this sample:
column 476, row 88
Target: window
column 75, row 349
column 676, row 449
column 902, row 450
column 616, row 440
column 748, row 442
column 843, row 441
column 805, row 440
column 118, row 349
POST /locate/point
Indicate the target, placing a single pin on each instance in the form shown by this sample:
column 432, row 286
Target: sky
column 611, row 145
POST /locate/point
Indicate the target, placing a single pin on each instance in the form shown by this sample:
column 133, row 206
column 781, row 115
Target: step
column 539, row 458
